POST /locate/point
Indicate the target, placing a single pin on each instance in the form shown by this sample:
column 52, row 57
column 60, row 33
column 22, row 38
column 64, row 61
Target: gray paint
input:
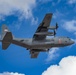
column 39, row 42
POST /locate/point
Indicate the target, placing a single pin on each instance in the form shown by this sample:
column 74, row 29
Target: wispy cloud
column 67, row 66
column 44, row 1
column 70, row 25
column 34, row 21
column 72, row 1
column 11, row 73
column 59, row 1
column 57, row 14
column 52, row 54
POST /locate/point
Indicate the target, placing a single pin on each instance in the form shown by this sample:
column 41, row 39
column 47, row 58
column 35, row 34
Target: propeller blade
column 57, row 26
column 54, row 33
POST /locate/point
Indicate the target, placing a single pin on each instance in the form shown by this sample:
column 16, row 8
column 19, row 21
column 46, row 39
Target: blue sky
column 23, row 18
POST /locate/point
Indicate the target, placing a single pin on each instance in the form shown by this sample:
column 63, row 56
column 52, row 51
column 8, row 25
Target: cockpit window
column 68, row 38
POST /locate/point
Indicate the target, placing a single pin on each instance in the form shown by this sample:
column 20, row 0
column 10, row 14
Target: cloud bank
column 7, row 73
column 67, row 66
column 24, row 7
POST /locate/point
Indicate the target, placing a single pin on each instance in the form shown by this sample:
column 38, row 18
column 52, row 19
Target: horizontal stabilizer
column 7, row 40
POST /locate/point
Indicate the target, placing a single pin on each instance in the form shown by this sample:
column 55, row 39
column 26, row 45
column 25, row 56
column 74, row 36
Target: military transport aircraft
column 39, row 42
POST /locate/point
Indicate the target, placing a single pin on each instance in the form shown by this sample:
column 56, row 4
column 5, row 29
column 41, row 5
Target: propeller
column 57, row 26
column 54, row 33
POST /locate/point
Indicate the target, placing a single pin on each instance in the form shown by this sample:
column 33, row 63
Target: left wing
column 43, row 27
column 35, row 52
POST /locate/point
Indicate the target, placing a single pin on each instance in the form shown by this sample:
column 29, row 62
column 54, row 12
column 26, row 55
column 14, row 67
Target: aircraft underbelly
column 45, row 46
column 41, row 46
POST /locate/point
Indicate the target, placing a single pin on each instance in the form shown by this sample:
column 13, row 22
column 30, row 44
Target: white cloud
column 52, row 54
column 8, row 73
column 70, row 25
column 34, row 21
column 71, row 1
column 19, row 8
column 67, row 66
column 8, row 7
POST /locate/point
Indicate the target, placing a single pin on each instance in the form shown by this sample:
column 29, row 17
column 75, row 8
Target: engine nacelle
column 46, row 33
column 53, row 27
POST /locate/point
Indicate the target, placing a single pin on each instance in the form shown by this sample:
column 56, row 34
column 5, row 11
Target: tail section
column 6, row 37
column 4, row 31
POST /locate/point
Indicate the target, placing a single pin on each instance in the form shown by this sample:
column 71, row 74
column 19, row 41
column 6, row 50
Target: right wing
column 43, row 27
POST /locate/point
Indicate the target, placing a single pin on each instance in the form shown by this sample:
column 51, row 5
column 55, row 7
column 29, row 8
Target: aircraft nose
column 72, row 42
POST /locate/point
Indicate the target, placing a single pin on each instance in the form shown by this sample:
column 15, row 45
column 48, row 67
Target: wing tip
column 49, row 14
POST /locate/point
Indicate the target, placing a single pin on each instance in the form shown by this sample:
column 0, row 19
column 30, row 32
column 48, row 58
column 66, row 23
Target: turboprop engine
column 46, row 33
column 53, row 27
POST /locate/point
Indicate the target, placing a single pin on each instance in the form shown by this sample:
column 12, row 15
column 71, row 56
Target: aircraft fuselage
column 45, row 44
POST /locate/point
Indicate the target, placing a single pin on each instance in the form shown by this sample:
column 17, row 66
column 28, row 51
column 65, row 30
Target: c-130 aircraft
column 39, row 42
